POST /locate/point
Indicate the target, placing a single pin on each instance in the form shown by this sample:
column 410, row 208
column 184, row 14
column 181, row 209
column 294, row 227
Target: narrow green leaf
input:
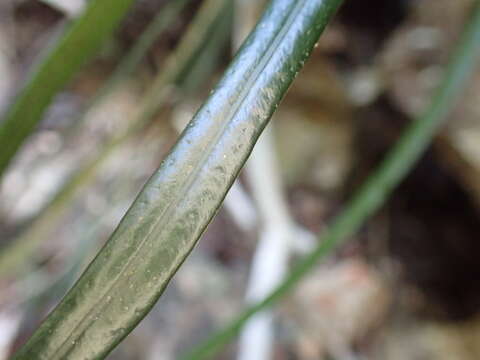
column 160, row 23
column 209, row 58
column 373, row 194
column 69, row 53
column 160, row 229
column 15, row 256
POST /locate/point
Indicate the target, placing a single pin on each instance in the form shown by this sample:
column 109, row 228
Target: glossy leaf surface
column 66, row 57
column 160, row 229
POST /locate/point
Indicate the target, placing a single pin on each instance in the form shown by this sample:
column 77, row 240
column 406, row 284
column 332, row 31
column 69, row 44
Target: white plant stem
column 270, row 261
column 241, row 208
column 279, row 235
column 71, row 8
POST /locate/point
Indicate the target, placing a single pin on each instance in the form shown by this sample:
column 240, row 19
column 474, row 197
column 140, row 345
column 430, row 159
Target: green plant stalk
column 14, row 257
column 132, row 59
column 79, row 43
column 209, row 57
column 160, row 229
column 142, row 44
column 374, row 193
column 179, row 63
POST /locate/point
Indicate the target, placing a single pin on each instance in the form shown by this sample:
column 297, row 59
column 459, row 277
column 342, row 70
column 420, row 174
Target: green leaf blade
column 15, row 256
column 172, row 211
column 67, row 56
column 376, row 190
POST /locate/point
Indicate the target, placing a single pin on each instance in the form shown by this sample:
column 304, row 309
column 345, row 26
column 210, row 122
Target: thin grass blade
column 79, row 43
column 18, row 254
column 160, row 229
column 143, row 43
column 375, row 192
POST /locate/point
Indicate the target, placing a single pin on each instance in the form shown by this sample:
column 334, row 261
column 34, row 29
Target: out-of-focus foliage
column 21, row 249
column 80, row 41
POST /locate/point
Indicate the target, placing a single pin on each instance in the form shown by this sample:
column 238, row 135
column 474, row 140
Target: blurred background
column 406, row 287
